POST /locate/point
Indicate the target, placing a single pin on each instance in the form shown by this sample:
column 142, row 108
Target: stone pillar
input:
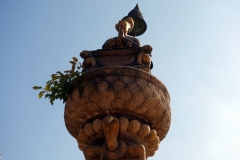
column 118, row 110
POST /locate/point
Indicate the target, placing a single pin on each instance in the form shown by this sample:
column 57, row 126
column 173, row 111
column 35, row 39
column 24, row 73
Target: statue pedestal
column 118, row 57
column 120, row 111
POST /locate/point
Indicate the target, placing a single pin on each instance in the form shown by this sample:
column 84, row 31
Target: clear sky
column 196, row 54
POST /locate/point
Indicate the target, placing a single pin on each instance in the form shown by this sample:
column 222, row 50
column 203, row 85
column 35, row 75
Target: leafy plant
column 61, row 84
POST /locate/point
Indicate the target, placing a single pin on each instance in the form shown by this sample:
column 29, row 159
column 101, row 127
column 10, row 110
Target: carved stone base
column 118, row 112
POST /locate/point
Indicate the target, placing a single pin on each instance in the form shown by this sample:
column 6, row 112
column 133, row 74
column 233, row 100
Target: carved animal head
column 125, row 26
column 147, row 49
column 85, row 54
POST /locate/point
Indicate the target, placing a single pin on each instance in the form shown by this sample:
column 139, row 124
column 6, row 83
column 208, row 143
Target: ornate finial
column 140, row 25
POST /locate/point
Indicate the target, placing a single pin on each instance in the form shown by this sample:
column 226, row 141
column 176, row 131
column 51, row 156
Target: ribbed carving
column 133, row 128
column 138, row 99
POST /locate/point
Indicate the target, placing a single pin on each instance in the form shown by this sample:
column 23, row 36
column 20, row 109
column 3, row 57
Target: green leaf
column 67, row 71
column 62, row 83
column 75, row 59
column 72, row 62
column 37, row 87
column 47, row 87
column 41, row 94
column 52, row 99
column 47, row 95
column 54, row 77
column 49, row 81
column 60, row 73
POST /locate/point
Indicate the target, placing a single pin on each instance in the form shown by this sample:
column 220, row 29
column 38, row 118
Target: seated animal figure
column 123, row 27
column 144, row 57
column 89, row 61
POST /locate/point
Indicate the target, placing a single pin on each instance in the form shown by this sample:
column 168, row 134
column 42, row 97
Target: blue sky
column 196, row 54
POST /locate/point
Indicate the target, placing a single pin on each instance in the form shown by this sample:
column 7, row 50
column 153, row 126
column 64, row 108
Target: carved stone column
column 119, row 111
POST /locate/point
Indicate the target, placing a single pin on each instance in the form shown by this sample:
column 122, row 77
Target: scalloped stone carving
column 138, row 97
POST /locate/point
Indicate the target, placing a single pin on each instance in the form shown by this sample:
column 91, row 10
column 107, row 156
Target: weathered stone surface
column 123, row 124
column 130, row 133
column 134, row 126
column 97, row 126
column 144, row 130
column 88, row 129
column 133, row 57
column 136, row 98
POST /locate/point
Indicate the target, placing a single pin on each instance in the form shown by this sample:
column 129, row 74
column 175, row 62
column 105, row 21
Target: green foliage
column 61, row 84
